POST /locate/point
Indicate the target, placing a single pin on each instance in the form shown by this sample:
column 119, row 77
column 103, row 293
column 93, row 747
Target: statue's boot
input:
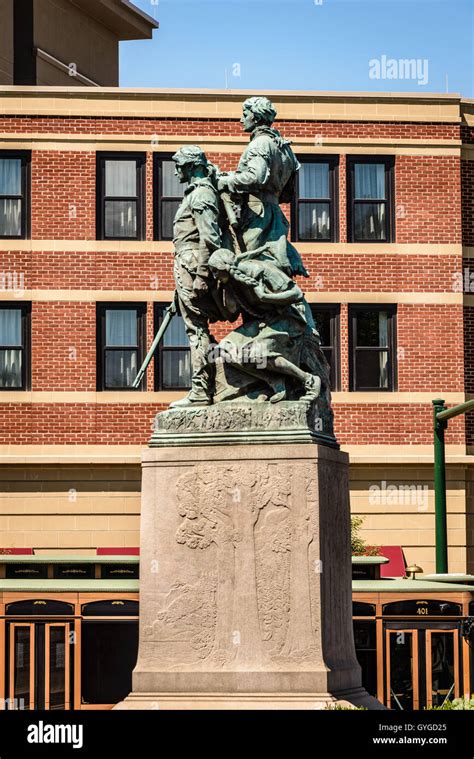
column 279, row 394
column 312, row 387
column 192, row 400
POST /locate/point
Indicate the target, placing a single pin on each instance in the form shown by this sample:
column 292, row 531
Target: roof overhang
column 120, row 16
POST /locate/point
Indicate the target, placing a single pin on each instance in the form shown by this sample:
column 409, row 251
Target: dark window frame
column 25, row 197
column 389, row 163
column 101, row 348
column 25, row 309
column 101, row 197
column 333, row 200
column 159, row 310
column 391, row 309
column 158, row 197
column 335, row 328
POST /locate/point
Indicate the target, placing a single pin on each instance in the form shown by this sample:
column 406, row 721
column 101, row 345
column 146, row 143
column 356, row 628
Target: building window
column 121, row 340
column 370, row 200
column 14, row 192
column 121, row 197
column 173, row 364
column 14, row 346
column 372, row 347
column 315, row 203
column 326, row 317
column 169, row 193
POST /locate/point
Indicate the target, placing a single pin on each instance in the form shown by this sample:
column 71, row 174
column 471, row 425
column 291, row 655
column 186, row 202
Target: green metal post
column 440, row 489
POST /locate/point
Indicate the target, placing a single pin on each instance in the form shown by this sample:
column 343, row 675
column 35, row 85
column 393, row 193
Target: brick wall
column 434, row 345
column 228, row 127
column 63, row 195
column 131, row 424
column 428, row 196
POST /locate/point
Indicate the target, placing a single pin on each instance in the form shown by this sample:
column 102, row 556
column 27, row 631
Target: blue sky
column 304, row 44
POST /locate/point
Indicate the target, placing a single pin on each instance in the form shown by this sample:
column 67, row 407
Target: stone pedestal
column 245, row 589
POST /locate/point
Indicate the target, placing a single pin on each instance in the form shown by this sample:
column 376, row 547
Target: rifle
column 169, row 313
column 230, row 211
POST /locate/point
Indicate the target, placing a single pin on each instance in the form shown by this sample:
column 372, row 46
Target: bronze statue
column 233, row 260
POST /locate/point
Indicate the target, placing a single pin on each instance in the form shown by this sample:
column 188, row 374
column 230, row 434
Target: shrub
column 358, row 545
column 465, row 702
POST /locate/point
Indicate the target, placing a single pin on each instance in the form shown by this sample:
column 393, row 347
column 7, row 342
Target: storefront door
column 39, row 664
column 421, row 666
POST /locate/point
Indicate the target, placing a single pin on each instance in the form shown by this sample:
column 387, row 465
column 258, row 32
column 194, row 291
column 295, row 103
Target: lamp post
column 441, row 530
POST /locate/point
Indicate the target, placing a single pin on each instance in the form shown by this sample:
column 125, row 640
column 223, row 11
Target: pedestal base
column 249, row 701
column 245, row 569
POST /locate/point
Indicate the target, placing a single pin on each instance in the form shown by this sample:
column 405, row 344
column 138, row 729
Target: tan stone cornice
column 164, row 397
column 313, row 296
column 131, row 454
column 165, row 246
column 226, row 104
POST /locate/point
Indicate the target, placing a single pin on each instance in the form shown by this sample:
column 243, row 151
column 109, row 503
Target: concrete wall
column 56, row 508
column 65, row 32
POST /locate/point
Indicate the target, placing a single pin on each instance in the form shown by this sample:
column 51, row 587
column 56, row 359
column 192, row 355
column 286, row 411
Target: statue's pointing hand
column 224, row 183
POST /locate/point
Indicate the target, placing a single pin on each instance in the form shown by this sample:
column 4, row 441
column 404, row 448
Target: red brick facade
column 434, row 204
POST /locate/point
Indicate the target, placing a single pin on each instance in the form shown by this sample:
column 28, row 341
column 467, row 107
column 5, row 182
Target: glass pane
column 328, row 354
column 10, row 176
column 10, row 217
column 366, row 651
column 314, row 222
column 21, row 665
column 171, row 186
column 10, row 326
column 401, row 670
column 371, row 369
column 10, row 367
column 323, row 324
column 369, row 181
column 120, row 368
column 121, row 178
column 109, row 654
column 372, row 329
column 314, row 180
column 176, row 369
column 121, row 327
column 57, row 667
column 175, row 335
column 168, row 211
column 120, row 218
column 369, row 221
column 442, row 667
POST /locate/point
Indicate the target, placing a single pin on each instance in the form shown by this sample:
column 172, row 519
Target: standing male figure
column 196, row 235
